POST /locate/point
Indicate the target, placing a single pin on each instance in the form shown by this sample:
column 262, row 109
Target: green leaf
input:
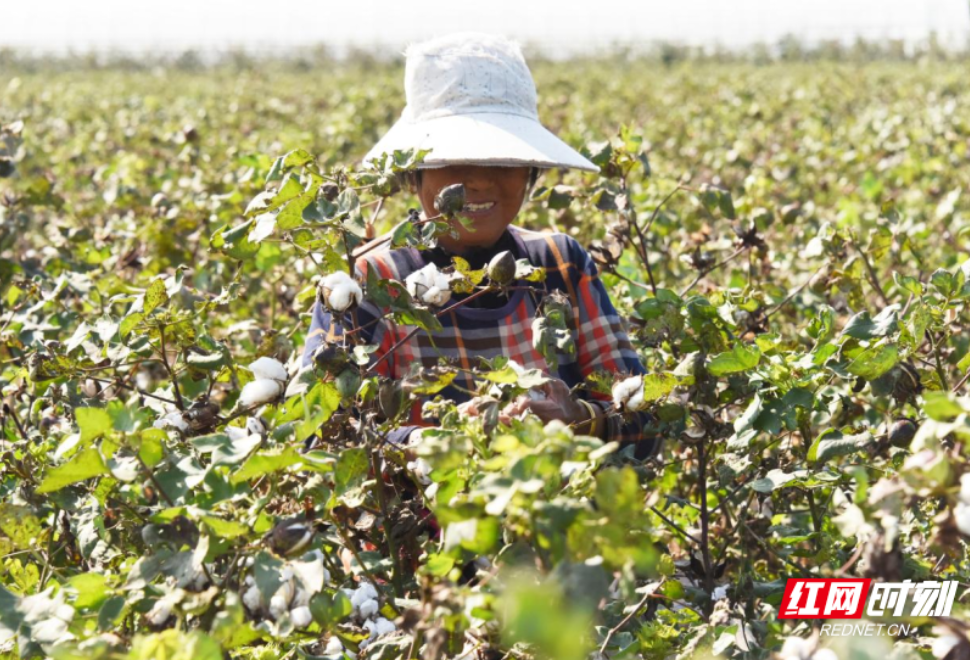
column 740, row 358
column 329, row 609
column 150, row 448
column 84, row 465
column 93, row 422
column 225, row 451
column 861, row 326
column 874, row 362
column 20, row 525
column 154, row 296
column 350, row 470
column 774, row 479
column 227, row 529
column 129, row 323
column 833, row 444
column 656, row 386
column 291, row 216
column 296, row 158
column 173, row 644
column 439, row 565
column 265, row 462
column 91, row 588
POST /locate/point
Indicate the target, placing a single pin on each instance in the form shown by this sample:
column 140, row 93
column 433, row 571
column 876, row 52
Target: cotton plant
column 300, row 580
column 365, row 601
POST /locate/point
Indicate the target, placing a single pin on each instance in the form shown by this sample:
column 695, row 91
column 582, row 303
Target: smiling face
column 493, row 197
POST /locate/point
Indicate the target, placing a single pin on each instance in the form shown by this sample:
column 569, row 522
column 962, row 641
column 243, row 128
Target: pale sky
column 556, row 25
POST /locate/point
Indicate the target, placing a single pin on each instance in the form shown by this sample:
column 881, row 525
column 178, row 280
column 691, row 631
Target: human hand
column 555, row 401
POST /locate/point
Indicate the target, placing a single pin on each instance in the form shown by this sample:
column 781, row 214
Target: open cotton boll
column 268, row 368
column 421, row 469
column 368, row 609
column 340, row 291
column 429, row 285
column 301, row 617
column 962, row 513
column 965, row 488
column 362, row 594
column 384, row 626
column 259, row 391
column 628, row 393
column 160, row 613
column 252, row 599
column 171, row 420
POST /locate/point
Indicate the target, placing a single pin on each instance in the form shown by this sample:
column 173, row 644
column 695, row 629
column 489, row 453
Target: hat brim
column 483, row 138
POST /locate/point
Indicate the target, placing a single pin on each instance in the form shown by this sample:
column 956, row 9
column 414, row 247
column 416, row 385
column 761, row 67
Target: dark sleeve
column 325, row 327
column 602, row 344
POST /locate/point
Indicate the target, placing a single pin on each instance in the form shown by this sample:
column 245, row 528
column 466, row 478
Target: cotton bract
column 340, row 291
column 429, row 285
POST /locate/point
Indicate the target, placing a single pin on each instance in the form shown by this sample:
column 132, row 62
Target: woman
column 471, row 101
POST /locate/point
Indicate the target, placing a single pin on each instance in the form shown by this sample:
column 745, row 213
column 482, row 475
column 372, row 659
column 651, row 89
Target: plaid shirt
column 600, row 338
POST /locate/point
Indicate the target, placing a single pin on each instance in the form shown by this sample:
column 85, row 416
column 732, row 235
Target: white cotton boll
column 286, row 573
column 384, row 626
column 254, row 426
column 944, row 642
column 301, row 617
column 421, row 469
column 340, row 291
column 368, row 609
column 429, row 285
column 371, row 628
column 628, row 393
column 236, row 433
column 278, row 606
column 825, row 654
column 962, row 513
column 268, row 368
column 252, row 599
column 171, row 420
column 797, row 648
column 48, row 631
column 258, row 392
column 333, row 646
column 64, row 612
column 160, row 613
column 144, row 381
column 965, row 488
column 363, row 593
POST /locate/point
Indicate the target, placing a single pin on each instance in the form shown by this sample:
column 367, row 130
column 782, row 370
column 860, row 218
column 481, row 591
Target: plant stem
column 179, row 403
column 705, row 520
column 388, row 536
column 675, row 526
column 615, row 629
column 704, row 273
column 873, row 279
column 154, row 480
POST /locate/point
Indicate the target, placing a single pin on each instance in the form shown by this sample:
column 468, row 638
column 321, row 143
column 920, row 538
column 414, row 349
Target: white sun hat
column 471, row 100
